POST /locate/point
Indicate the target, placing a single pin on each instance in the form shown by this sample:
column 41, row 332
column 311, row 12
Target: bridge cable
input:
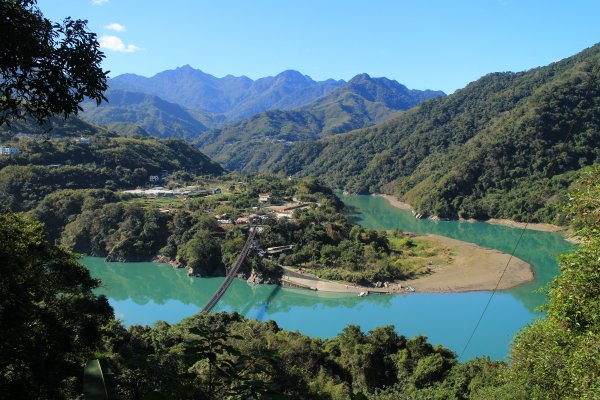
column 585, row 97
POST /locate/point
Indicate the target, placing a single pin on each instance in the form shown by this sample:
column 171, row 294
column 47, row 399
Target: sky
column 423, row 44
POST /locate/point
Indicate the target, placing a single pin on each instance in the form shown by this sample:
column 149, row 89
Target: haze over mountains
column 247, row 114
column 234, row 97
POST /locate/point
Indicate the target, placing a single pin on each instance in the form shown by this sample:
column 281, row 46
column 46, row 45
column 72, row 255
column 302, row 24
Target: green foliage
column 50, row 317
column 109, row 162
column 202, row 254
column 493, row 149
column 154, row 115
column 266, row 137
column 46, row 68
column 227, row 356
column 559, row 356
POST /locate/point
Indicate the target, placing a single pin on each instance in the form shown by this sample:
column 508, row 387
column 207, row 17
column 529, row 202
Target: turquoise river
column 142, row 293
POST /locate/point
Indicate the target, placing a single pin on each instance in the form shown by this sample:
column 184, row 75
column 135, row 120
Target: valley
column 265, row 233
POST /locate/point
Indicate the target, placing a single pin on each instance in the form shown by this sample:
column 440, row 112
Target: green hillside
column 493, row 149
column 154, row 115
column 264, row 138
column 108, row 161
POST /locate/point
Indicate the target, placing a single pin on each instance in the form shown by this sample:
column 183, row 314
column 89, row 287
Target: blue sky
column 423, row 44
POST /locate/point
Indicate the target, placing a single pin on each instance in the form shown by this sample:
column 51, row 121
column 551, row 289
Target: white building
column 7, row 151
column 82, row 140
column 264, row 197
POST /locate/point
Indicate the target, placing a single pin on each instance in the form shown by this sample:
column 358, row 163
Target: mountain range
column 249, row 144
column 185, row 103
column 233, row 97
column 507, row 145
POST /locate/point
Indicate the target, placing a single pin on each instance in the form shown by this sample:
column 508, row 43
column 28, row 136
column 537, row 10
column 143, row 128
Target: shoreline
column 473, row 268
column 534, row 226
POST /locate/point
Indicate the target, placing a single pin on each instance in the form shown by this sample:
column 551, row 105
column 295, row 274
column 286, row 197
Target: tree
column 202, row 254
column 50, row 320
column 46, row 68
column 559, row 356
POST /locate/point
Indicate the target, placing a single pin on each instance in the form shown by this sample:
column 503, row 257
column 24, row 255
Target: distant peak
column 361, row 77
column 294, row 75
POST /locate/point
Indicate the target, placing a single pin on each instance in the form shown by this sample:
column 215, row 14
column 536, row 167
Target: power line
column 593, row 77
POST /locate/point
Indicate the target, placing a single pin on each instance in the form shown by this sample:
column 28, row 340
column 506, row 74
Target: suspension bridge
column 212, row 302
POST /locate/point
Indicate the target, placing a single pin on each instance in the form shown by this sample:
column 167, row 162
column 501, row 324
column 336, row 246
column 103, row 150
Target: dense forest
column 107, row 161
column 212, row 356
column 157, row 117
column 507, row 145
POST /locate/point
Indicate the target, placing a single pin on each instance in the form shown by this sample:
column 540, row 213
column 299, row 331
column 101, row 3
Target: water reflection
column 540, row 249
column 142, row 293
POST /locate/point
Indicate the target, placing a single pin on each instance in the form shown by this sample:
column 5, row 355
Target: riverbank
column 471, row 268
column 506, row 222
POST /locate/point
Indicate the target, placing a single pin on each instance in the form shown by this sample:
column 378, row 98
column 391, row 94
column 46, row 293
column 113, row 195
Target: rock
column 378, row 284
column 386, row 284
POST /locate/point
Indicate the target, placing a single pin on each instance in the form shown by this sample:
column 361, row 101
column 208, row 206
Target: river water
column 142, row 293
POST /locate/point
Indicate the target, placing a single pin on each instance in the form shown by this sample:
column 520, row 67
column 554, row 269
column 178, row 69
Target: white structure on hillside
column 264, row 198
column 7, row 151
column 82, row 140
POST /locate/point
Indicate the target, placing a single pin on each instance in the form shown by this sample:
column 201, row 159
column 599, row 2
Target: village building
column 264, row 198
column 7, row 151
column 83, row 140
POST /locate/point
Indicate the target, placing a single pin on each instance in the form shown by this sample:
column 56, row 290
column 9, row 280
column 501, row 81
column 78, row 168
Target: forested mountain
column 266, row 137
column 56, row 127
column 234, row 97
column 493, row 149
column 107, row 161
column 155, row 115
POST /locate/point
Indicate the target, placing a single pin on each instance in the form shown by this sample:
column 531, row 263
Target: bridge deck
column 212, row 302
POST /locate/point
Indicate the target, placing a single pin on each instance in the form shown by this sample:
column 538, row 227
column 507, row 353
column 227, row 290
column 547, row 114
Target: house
column 154, row 178
column 264, row 198
column 7, row 151
column 215, row 190
column 82, row 140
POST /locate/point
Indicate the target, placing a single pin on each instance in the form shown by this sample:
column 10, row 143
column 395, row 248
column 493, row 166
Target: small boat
column 410, row 288
column 363, row 294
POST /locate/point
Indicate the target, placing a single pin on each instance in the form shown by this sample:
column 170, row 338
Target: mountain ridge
column 491, row 149
column 360, row 102
column 234, row 97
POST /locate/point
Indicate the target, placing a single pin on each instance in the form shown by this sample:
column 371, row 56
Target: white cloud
column 115, row 27
column 98, row 2
column 115, row 43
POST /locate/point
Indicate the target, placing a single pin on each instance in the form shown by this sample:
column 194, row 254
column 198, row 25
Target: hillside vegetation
column 108, row 161
column 493, row 149
column 266, row 137
column 157, row 117
column 224, row 355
